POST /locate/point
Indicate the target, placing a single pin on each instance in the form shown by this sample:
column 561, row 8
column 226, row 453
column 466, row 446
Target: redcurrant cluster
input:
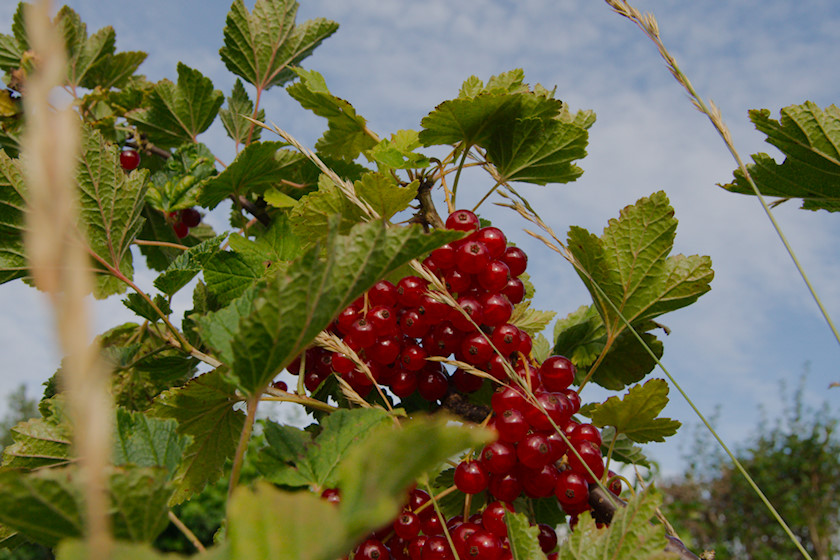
column 418, row 534
column 183, row 220
column 394, row 328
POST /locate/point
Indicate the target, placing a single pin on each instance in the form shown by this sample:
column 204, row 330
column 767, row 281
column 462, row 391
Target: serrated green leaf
column 347, row 134
column 630, row 536
column 144, row 309
column 398, row 152
column 384, row 194
column 273, row 247
column 635, row 415
column 13, row 264
column 285, row 447
column 229, row 275
column 630, row 264
column 311, row 217
column 185, row 267
column 38, row 443
column 548, row 511
column 10, row 52
column 238, row 104
column 530, row 320
column 538, row 150
column 258, row 167
column 113, row 70
column 311, row 528
column 177, row 184
column 111, row 204
column 523, row 537
column 580, row 336
column 147, row 442
column 295, row 306
column 83, row 52
column 217, row 328
column 809, row 137
column 178, row 113
column 541, row 347
column 279, row 199
column 372, row 490
column 263, row 45
column 204, row 411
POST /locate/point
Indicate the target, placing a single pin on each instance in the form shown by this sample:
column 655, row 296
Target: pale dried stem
column 338, row 346
column 186, row 532
column 60, row 266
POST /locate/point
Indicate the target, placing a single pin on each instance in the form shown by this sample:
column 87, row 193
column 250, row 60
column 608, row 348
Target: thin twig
column 186, row 532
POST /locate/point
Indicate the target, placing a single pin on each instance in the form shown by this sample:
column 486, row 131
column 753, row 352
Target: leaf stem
column 251, row 404
column 283, row 396
column 595, row 365
column 160, row 244
column 186, row 532
column 491, row 191
column 186, row 346
column 458, row 173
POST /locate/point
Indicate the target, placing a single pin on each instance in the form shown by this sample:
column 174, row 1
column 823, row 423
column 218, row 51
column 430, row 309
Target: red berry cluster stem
column 184, row 220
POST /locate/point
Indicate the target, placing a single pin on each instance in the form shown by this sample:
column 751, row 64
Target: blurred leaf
column 258, row 167
column 38, row 443
column 372, row 490
column 523, row 537
column 347, row 135
column 83, row 52
column 635, row 415
column 139, row 498
column 177, row 113
column 147, row 442
column 111, row 203
column 384, row 194
column 239, row 104
column 311, row 528
column 263, row 45
column 809, row 137
column 204, row 411
column 73, row 549
column 293, row 307
column 630, row 536
column 630, row 263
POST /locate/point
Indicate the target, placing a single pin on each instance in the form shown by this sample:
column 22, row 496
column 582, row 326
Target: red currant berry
column 514, row 290
column 539, row 483
column 507, row 398
column 466, row 382
column 571, row 488
column 181, row 229
column 437, row 548
column 457, row 282
column 473, row 309
column 410, row 291
column 404, row 383
column 385, row 350
column 472, row 257
column 413, row 357
column 462, row 220
column 444, row 256
column 505, row 338
column 443, row 339
column 511, row 426
column 461, row 534
column 591, row 456
column 516, row 259
column 493, row 518
column 280, row 385
column 407, row 525
column 416, row 499
column 505, row 487
column 499, row 457
column 432, row 384
column 497, row 309
column 413, row 324
column 533, row 451
column 484, row 545
column 557, row 373
column 585, row 432
column 361, row 333
column 470, row 477
column 129, row 159
column 475, row 349
column 383, row 293
column 332, row 495
column 547, row 538
column 372, row 549
column 493, row 277
column 191, row 217
column 383, row 319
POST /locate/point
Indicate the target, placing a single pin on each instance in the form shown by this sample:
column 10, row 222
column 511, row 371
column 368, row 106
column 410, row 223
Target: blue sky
column 396, row 59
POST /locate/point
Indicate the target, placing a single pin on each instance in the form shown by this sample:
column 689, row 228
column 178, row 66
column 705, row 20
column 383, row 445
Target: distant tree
column 794, row 460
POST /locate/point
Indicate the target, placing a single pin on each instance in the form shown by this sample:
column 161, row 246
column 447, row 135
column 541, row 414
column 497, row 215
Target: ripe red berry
column 484, row 545
column 190, row 216
column 475, row 349
column 499, row 457
column 591, row 456
column 505, row 338
column 410, row 291
column 557, row 373
column 280, row 385
column 571, row 488
column 514, row 290
column 407, row 525
column 181, row 229
column 516, row 259
column 470, row 477
column 493, row 518
column 547, row 538
column 372, row 549
column 466, row 382
column 383, row 293
column 505, row 487
column 129, row 159
column 472, row 257
column 432, row 383
column 462, row 220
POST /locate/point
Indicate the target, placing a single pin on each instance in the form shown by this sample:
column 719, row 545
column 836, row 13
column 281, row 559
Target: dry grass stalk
column 61, row 266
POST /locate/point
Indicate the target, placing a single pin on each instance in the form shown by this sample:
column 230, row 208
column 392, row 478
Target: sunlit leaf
column 635, row 415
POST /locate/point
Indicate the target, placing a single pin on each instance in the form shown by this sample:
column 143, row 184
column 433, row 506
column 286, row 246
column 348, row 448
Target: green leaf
column 311, row 217
column 83, row 52
column 347, row 134
column 217, row 328
column 204, row 411
column 38, row 443
column 258, row 167
column 177, row 185
column 44, row 505
column 229, row 274
column 139, row 498
column 263, row 45
column 178, row 113
column 372, row 490
column 285, row 447
column 530, row 320
column 580, row 336
column 13, row 262
column 384, row 194
column 809, row 137
column 311, row 528
column 538, row 150
column 10, row 52
column 295, row 306
column 144, row 309
column 523, row 537
column 630, row 263
column 237, row 127
column 635, row 415
column 630, row 536
column 74, row 549
column 275, row 246
column 185, row 267
column 541, row 348
column 398, row 152
column 111, row 204
column 147, row 442
column 113, row 70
